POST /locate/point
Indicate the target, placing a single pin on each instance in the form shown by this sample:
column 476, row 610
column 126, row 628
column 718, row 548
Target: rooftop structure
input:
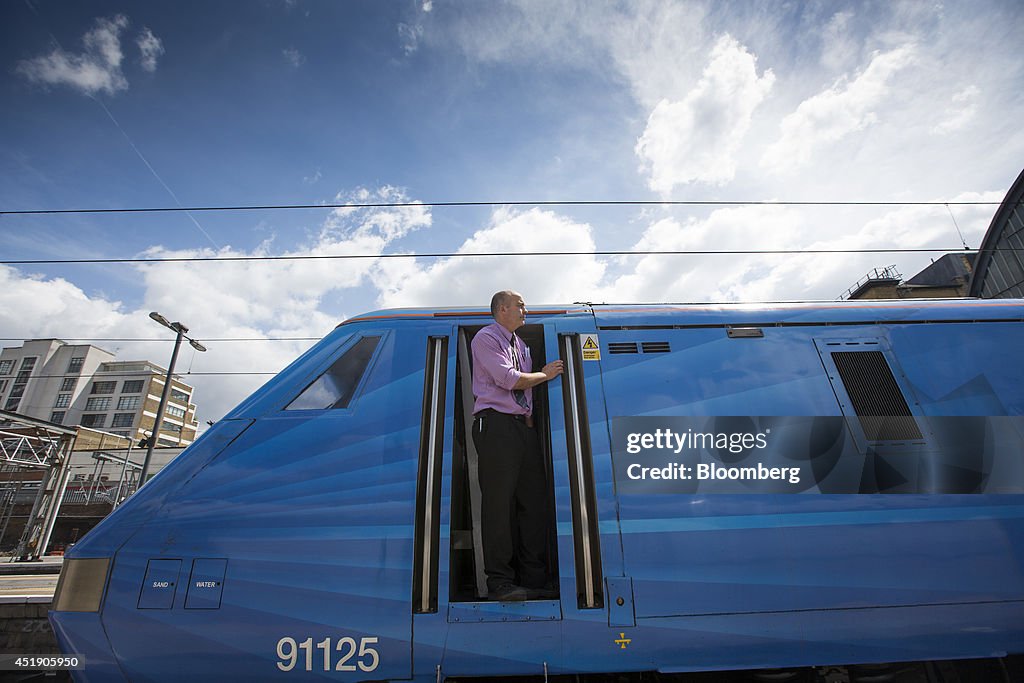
column 947, row 277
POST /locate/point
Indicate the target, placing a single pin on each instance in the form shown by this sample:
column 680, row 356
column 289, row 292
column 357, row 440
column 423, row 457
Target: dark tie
column 518, row 394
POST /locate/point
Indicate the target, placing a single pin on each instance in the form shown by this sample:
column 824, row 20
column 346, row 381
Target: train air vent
column 883, row 412
column 655, row 347
column 622, row 347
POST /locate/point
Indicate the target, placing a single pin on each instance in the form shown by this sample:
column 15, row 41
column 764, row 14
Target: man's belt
column 491, row 411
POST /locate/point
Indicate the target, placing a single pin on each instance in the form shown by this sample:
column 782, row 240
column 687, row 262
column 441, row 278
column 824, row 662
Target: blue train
column 732, row 487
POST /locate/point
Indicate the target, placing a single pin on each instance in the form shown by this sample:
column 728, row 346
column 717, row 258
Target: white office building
column 80, row 384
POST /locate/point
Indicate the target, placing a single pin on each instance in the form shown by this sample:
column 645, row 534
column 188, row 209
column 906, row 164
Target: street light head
column 196, row 345
column 177, row 327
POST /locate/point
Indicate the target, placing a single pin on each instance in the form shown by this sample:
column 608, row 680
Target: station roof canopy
column 999, row 268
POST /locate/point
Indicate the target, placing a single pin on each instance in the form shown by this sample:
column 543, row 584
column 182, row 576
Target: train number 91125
column 289, row 651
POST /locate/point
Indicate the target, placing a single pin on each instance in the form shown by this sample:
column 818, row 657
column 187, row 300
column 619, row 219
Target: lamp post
column 180, row 330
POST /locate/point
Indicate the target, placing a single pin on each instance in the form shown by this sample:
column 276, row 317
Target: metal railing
column 888, row 273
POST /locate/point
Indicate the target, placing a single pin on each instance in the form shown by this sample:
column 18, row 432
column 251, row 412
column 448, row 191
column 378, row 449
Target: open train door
column 461, row 630
column 456, row 626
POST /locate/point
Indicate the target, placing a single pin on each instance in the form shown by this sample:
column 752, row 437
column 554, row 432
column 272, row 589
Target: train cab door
column 456, row 626
column 457, row 630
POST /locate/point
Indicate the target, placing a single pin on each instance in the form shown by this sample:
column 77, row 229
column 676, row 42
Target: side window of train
column 336, row 387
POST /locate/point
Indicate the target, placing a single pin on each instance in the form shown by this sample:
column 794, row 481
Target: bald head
column 508, row 309
column 502, row 298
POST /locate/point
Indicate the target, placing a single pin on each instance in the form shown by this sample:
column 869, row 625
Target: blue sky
column 300, row 102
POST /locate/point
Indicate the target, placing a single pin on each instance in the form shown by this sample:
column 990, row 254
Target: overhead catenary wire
column 191, row 373
column 490, row 254
column 413, row 204
column 152, row 339
column 484, row 203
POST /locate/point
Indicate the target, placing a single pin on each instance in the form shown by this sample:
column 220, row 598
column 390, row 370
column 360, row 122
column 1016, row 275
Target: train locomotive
column 730, row 487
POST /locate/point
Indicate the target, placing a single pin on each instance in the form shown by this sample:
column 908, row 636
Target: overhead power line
column 149, row 339
column 101, row 377
column 398, row 205
column 615, row 252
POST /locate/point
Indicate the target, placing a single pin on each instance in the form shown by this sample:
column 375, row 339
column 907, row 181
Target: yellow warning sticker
column 591, row 350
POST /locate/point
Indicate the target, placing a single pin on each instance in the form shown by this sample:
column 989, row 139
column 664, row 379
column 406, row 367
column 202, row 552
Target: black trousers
column 514, row 515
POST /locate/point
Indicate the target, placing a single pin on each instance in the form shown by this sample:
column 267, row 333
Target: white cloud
column 409, row 36
column 150, row 48
column 411, row 32
column 293, row 57
column 957, row 117
column 655, row 278
column 838, row 47
column 29, row 305
column 285, row 294
column 696, row 139
column 848, row 106
column 768, row 277
column 97, row 69
column 392, row 222
column 470, row 281
column 657, row 47
column 931, row 226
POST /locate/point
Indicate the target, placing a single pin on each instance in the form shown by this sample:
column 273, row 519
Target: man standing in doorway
column 511, row 467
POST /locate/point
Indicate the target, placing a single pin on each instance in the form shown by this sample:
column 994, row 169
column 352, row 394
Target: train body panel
column 325, row 528
column 825, row 551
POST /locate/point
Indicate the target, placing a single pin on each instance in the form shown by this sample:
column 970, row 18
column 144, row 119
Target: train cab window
column 336, row 387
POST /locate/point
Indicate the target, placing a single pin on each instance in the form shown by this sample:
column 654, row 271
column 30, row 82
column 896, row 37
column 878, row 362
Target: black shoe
column 508, row 592
column 549, row 591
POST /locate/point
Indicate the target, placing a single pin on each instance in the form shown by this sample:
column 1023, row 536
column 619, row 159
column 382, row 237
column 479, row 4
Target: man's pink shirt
column 494, row 371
